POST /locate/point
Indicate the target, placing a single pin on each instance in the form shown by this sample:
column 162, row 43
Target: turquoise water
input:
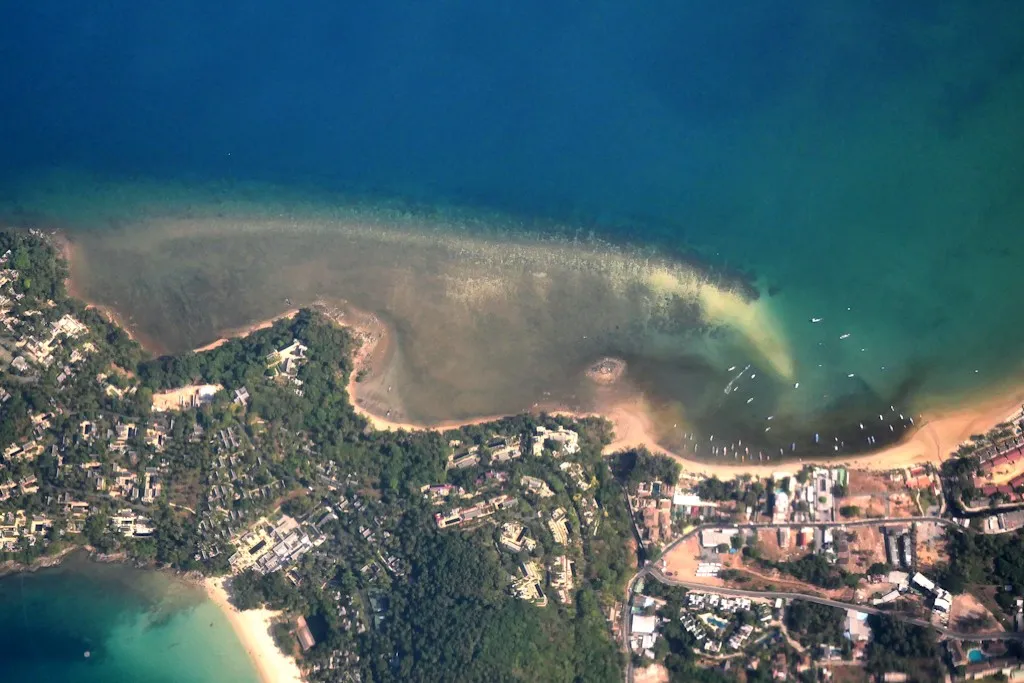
column 857, row 162
column 135, row 626
column 976, row 656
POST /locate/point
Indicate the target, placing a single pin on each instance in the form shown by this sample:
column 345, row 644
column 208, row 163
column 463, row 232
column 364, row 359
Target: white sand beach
column 253, row 628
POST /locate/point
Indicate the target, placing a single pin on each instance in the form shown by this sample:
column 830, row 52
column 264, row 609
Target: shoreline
column 941, row 433
column 252, row 627
column 74, row 258
column 377, row 355
column 246, row 330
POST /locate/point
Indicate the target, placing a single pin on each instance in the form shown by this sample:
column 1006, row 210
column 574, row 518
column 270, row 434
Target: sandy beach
column 253, row 628
column 373, row 393
column 940, row 435
column 246, row 330
column 942, row 431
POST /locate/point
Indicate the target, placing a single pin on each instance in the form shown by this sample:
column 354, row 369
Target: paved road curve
column 652, row 571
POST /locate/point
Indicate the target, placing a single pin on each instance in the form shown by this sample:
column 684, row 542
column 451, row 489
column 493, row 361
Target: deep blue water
column 606, row 110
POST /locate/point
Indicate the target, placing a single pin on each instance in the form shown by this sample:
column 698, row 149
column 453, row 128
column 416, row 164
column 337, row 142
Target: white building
column 712, row 538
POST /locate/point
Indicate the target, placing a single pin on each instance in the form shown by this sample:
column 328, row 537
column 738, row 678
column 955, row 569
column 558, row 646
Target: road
column 652, row 571
column 864, row 609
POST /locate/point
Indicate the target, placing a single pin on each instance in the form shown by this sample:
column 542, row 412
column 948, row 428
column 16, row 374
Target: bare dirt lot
column 864, row 483
column 867, row 505
column 875, row 494
column 768, row 541
column 682, row 561
column 931, row 546
column 866, row 548
column 849, row 673
column 652, row 673
column 969, row 614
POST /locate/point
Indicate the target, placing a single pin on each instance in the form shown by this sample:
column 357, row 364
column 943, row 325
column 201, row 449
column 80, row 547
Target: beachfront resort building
column 560, row 441
column 268, row 547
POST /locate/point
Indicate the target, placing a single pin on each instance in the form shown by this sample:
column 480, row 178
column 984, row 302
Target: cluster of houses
column 657, row 506
column 501, row 449
column 63, row 344
column 285, row 363
column 485, row 508
column 1011, row 459
column 920, row 478
column 941, row 599
column 712, row 619
column 8, row 291
column 40, row 350
column 812, row 501
column 1002, row 522
column 491, row 495
column 15, row 526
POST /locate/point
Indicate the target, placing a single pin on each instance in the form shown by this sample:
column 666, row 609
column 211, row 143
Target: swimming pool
column 976, row 656
column 719, row 623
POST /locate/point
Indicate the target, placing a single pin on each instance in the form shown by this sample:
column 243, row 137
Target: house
column 565, row 441
column 558, row 526
column 643, row 625
column 289, row 359
column 537, row 487
column 562, row 572
column 302, row 632
column 712, row 538
column 514, row 536
column 528, row 587
column 504, row 450
column 857, row 629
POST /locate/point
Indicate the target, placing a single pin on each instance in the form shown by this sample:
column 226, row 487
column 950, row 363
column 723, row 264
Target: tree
column 879, row 568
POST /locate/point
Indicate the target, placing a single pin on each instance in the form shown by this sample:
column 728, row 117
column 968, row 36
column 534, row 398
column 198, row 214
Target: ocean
column 797, row 222
column 83, row 621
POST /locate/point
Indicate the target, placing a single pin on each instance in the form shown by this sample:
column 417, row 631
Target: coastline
column 75, row 260
column 377, row 356
column 941, row 432
column 246, row 330
column 253, row 629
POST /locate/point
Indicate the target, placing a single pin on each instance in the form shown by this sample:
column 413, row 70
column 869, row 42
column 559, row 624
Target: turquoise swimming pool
column 721, row 623
column 976, row 656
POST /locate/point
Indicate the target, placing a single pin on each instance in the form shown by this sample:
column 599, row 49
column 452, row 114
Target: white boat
column 816, row 320
column 845, row 336
column 797, row 385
